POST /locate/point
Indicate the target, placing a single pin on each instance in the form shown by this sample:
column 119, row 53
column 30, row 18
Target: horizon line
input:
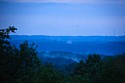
column 72, row 35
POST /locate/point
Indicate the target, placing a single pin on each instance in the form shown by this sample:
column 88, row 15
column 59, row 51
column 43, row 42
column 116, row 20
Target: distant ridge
column 76, row 35
column 70, row 38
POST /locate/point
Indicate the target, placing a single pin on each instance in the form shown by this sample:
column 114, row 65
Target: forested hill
column 108, row 45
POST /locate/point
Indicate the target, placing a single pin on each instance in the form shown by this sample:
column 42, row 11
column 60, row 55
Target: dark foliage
column 23, row 66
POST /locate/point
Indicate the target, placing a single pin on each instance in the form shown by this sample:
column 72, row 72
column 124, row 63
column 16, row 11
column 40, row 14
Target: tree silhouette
column 22, row 65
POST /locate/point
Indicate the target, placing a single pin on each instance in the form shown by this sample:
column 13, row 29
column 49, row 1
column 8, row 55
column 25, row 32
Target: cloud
column 69, row 1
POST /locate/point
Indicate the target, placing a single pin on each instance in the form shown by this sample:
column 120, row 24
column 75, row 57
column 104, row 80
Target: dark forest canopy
column 22, row 65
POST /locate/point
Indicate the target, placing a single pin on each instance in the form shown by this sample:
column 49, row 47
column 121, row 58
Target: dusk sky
column 64, row 17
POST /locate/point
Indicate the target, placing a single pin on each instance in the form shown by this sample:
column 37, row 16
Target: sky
column 70, row 1
column 64, row 17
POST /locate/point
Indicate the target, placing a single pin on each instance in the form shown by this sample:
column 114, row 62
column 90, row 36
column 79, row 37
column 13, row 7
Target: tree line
column 22, row 65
